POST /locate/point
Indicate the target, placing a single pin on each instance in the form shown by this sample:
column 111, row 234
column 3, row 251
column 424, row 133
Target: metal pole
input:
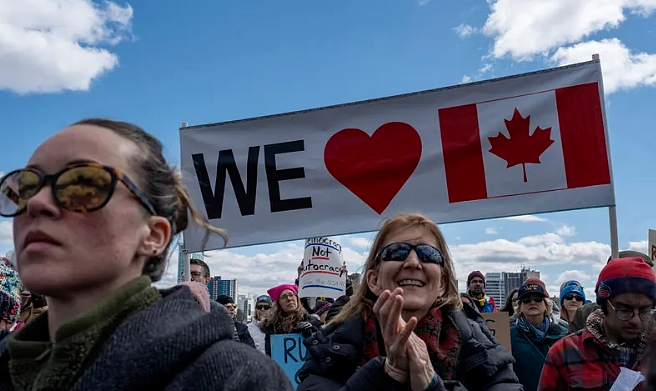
column 183, row 247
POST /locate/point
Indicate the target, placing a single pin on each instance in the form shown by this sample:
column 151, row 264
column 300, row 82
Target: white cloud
column 424, row 2
column 6, row 233
column 485, row 68
column 576, row 275
column 639, row 246
column 360, row 243
column 566, row 230
column 491, row 231
column 526, row 219
column 55, row 45
column 464, row 30
column 622, row 68
column 465, row 79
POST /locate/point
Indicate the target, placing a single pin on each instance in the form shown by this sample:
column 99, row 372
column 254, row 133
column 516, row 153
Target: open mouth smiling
column 410, row 282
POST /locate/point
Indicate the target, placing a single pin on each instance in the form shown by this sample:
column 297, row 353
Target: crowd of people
column 96, row 209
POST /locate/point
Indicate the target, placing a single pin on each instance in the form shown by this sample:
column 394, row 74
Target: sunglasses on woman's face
column 535, row 299
column 233, row 306
column 263, row 307
column 573, row 297
column 81, row 188
column 401, row 251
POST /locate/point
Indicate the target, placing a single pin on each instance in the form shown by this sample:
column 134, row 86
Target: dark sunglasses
column 263, row 307
column 81, row 188
column 570, row 296
column 400, row 252
column 535, row 299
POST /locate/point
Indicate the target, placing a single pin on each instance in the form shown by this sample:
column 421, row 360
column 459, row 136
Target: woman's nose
column 412, row 261
column 42, row 203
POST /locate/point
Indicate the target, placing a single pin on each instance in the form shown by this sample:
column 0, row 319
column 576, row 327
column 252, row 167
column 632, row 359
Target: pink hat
column 276, row 291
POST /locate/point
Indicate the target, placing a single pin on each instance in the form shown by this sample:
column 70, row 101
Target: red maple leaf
column 521, row 147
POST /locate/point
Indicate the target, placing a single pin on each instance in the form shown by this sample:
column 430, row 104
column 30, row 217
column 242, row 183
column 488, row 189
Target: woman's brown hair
column 362, row 301
column 162, row 185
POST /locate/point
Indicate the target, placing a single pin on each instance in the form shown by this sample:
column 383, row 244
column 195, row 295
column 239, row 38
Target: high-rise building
column 217, row 287
column 181, row 260
column 247, row 305
column 499, row 285
column 494, row 286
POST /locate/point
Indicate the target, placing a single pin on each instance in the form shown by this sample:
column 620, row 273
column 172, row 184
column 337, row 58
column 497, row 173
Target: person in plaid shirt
column 615, row 336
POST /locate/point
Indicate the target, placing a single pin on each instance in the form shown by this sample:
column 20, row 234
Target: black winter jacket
column 334, row 355
column 270, row 330
column 173, row 345
column 244, row 335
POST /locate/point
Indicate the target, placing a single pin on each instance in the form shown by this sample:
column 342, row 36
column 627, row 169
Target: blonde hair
column 283, row 322
column 547, row 302
column 363, row 300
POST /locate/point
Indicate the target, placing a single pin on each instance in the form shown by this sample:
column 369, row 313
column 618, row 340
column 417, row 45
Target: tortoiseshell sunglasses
column 84, row 187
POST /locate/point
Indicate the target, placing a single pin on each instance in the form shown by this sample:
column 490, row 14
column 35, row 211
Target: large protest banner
column 289, row 352
column 322, row 274
column 524, row 144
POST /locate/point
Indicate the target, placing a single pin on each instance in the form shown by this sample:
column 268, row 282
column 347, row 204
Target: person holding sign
column 404, row 328
column 287, row 315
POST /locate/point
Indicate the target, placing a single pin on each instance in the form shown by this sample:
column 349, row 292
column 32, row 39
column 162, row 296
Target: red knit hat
column 625, row 275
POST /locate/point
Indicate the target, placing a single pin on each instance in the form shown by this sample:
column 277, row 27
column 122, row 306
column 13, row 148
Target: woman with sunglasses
column 572, row 297
column 534, row 332
column 404, row 327
column 94, row 216
column 263, row 305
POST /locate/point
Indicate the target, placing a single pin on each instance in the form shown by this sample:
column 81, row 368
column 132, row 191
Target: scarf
column 479, row 302
column 38, row 364
column 440, row 334
column 627, row 354
column 526, row 326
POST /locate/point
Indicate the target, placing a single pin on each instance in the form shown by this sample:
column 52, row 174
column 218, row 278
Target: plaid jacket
column 580, row 362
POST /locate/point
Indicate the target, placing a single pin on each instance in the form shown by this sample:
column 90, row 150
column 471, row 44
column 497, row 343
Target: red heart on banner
column 374, row 168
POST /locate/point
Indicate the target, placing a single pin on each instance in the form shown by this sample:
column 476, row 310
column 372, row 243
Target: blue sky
column 160, row 65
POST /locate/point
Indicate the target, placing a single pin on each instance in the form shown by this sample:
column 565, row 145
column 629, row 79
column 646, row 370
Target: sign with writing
column 517, row 145
column 322, row 274
column 651, row 247
column 289, row 352
column 499, row 325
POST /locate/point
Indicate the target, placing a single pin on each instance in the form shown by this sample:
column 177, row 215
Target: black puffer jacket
column 334, row 356
column 270, row 330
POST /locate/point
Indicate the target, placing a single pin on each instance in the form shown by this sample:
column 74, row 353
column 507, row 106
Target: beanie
column 322, row 306
column 633, row 254
column 275, row 292
column 10, row 289
column 625, row 275
column 472, row 275
column 532, row 286
column 225, row 299
column 571, row 287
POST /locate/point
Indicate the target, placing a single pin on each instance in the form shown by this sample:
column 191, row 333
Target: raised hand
column 420, row 368
column 395, row 332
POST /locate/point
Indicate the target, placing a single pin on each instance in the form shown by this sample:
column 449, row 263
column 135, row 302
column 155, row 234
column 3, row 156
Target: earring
column 154, row 251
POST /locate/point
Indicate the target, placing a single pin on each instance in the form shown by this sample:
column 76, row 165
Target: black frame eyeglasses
column 399, row 252
column 82, row 188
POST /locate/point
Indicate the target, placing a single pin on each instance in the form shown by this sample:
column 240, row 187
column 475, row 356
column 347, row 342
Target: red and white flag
column 541, row 142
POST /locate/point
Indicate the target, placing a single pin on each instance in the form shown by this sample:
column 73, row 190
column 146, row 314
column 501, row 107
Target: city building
column 247, row 305
column 218, row 286
column 499, row 285
column 214, row 287
column 181, row 260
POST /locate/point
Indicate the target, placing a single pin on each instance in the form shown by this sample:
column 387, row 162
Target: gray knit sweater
column 173, row 346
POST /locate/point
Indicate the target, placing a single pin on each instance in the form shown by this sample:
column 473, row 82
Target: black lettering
column 302, row 353
column 487, row 323
column 275, row 176
column 226, row 166
column 319, row 252
column 289, row 349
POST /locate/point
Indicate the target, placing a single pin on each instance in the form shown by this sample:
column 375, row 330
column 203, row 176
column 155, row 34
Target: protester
column 511, row 304
column 242, row 330
column 408, row 299
column 581, row 316
column 263, row 305
column 534, row 332
column 476, row 289
column 10, row 297
column 321, row 310
column 94, row 216
column 616, row 335
column 287, row 315
column 572, row 297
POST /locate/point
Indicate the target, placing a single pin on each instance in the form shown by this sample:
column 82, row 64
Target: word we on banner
column 289, row 352
column 322, row 274
column 531, row 143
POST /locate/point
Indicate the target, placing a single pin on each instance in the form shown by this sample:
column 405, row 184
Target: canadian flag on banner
column 546, row 141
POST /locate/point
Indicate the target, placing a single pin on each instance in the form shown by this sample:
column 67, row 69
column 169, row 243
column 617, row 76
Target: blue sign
column 289, row 352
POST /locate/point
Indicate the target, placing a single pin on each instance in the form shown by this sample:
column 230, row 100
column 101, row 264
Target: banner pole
column 612, row 210
column 185, row 254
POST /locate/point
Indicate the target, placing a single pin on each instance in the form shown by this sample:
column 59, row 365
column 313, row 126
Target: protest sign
column 322, row 269
column 523, row 144
column 499, row 325
column 289, row 352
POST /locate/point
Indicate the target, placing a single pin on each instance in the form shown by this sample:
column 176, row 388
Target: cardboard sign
column 651, row 247
column 289, row 352
column 322, row 269
column 518, row 145
column 499, row 325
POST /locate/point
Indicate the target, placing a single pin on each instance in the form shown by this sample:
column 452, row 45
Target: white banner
column 525, row 144
column 651, row 247
column 322, row 274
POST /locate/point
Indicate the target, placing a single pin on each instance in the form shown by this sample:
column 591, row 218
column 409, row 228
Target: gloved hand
column 305, row 328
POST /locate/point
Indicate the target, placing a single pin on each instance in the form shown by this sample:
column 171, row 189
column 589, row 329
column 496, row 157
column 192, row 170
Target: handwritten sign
column 289, row 352
column 322, row 269
column 499, row 325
